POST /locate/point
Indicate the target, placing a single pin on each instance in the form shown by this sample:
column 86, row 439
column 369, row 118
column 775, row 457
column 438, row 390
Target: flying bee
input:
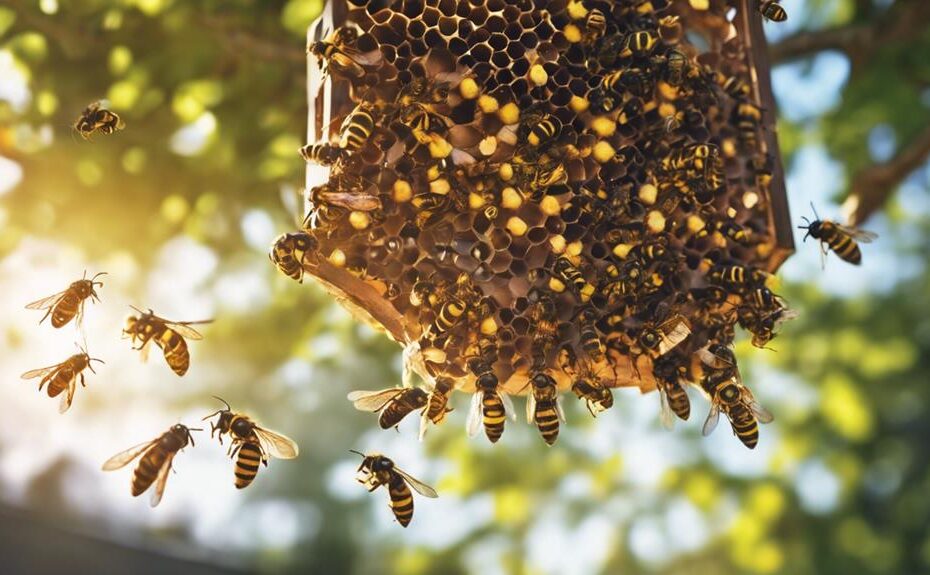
column 595, row 25
column 543, row 406
column 63, row 377
column 727, row 393
column 639, row 44
column 168, row 335
column 69, row 304
column 377, row 470
column 585, row 383
column 157, row 457
column 772, row 10
column 340, row 56
column 356, row 129
column 673, row 398
column 437, row 404
column 251, row 444
column 574, row 278
column 322, row 154
column 843, row 240
column 392, row 404
column 97, row 118
column 290, row 251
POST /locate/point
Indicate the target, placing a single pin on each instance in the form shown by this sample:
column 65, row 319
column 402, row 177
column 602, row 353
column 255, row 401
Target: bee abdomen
column 147, row 470
column 547, row 420
column 401, row 500
column 176, row 353
column 247, row 462
column 494, row 416
column 65, row 310
column 845, row 247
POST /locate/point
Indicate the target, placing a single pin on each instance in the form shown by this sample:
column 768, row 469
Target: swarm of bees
column 537, row 198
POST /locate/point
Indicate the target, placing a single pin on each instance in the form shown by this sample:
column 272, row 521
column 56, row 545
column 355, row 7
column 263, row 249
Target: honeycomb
column 578, row 191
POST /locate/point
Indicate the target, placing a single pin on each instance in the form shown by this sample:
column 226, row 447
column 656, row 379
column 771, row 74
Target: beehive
column 538, row 180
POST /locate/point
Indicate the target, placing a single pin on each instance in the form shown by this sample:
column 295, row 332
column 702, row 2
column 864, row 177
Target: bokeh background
column 180, row 209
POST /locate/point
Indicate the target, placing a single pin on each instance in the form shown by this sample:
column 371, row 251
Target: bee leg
column 82, row 381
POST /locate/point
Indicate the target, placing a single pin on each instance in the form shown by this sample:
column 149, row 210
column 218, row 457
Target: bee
column 342, row 195
column 67, row 305
column 633, row 80
column 168, row 335
column 843, row 240
column 377, row 470
column 415, row 105
column 392, row 404
column 95, row 117
column 595, row 25
column 673, row 398
column 543, row 406
column 737, row 278
column 639, row 44
column 289, row 252
column 63, row 377
column 340, row 55
column 573, row 277
column 545, row 321
column 356, row 129
column 677, row 65
column 727, row 393
column 489, row 406
column 623, row 280
column 437, row 404
column 733, row 86
column 155, row 465
column 322, row 154
column 585, row 383
column 542, row 130
column 251, row 444
column 655, row 340
column 772, row 10
column 589, row 339
column 748, row 118
column 763, row 325
column 533, row 179
column 609, row 51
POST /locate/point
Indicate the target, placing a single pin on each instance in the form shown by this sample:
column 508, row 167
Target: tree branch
column 905, row 20
column 872, row 186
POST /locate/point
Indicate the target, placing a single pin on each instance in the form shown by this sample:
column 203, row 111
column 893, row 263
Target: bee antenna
column 98, row 274
column 136, row 309
column 815, row 211
column 226, row 403
column 357, row 452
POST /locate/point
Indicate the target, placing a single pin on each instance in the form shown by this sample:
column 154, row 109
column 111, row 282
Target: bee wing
column 373, row 400
column 558, row 408
column 666, row 415
column 676, row 330
column 184, row 329
column 508, row 406
column 123, row 457
column 762, row 414
column 418, row 486
column 711, row 359
column 712, row 418
column 351, row 200
column 530, row 408
column 275, row 444
column 47, row 302
column 67, row 398
column 364, row 58
column 33, row 373
column 424, row 423
column 473, row 423
column 861, row 236
column 144, row 351
column 161, row 480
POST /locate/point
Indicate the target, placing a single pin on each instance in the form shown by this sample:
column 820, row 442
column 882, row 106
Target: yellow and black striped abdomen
column 66, row 308
column 247, row 461
column 547, row 420
column 744, row 425
column 147, row 470
column 175, row 349
column 494, row 415
column 842, row 244
column 358, row 129
column 401, row 499
column 60, row 380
